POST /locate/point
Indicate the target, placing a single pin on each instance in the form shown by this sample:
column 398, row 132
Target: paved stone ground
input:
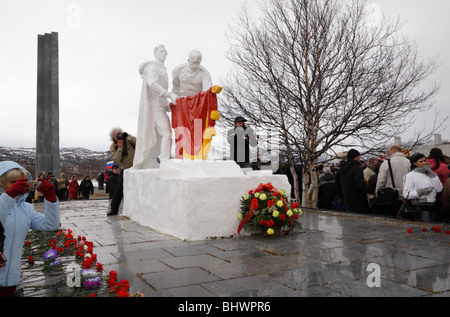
column 332, row 257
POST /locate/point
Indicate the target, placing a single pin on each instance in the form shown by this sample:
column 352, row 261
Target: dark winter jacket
column 327, row 190
column 354, row 187
column 111, row 184
column 86, row 187
column 240, row 141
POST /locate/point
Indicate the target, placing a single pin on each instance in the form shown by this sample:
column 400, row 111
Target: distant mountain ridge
column 74, row 161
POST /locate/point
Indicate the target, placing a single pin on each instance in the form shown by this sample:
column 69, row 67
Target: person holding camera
column 240, row 139
column 18, row 217
column 122, row 152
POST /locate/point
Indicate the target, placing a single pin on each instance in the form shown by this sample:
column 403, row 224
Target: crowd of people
column 356, row 186
column 65, row 189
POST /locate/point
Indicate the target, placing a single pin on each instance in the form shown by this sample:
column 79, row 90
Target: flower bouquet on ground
column 266, row 210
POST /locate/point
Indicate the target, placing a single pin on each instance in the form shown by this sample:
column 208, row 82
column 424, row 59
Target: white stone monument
column 189, row 199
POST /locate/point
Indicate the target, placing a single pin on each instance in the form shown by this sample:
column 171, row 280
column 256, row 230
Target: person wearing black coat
column 240, row 139
column 354, row 187
column 327, row 190
column 86, row 188
column 112, row 181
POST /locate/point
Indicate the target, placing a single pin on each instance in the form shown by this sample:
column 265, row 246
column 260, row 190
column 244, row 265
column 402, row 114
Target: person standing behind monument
column 73, row 188
column 111, row 183
column 445, row 202
column 122, row 152
column 154, row 130
column 421, row 185
column 86, row 188
column 327, row 189
column 437, row 162
column 191, row 78
column 400, row 167
column 100, row 180
column 62, row 187
column 354, row 187
column 240, row 139
column 368, row 172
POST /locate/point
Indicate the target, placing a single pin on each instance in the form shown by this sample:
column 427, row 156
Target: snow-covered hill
column 74, row 161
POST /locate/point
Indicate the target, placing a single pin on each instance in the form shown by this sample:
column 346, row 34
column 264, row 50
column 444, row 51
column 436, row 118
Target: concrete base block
column 192, row 200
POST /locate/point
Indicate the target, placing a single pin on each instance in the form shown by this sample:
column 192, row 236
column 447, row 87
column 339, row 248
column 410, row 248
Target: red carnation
column 283, row 217
column 87, row 264
column 270, row 203
column 294, row 205
column 99, row 267
column 255, row 203
column 437, row 229
column 122, row 293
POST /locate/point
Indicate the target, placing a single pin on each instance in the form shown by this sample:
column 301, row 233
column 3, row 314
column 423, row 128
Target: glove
column 430, row 173
column 424, row 191
column 48, row 190
column 18, row 188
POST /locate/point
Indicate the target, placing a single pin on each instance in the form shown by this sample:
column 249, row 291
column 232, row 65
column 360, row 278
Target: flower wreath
column 266, row 209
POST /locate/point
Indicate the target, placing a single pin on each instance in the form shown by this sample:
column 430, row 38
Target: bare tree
column 325, row 77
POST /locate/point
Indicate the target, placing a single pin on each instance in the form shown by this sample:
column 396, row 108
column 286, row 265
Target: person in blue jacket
column 18, row 217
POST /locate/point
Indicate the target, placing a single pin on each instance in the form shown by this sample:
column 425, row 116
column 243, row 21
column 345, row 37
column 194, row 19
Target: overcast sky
column 103, row 42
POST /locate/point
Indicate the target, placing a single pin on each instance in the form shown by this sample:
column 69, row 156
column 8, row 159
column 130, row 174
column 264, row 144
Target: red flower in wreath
column 270, row 203
column 270, row 223
column 283, row 217
column 294, row 205
column 255, row 203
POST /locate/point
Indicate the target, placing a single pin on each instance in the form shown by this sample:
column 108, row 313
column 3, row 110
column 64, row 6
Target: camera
column 122, row 136
column 34, row 184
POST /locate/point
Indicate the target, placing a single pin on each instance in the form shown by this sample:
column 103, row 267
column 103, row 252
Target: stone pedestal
column 192, row 200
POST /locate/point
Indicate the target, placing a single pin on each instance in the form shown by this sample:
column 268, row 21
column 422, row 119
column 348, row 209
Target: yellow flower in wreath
column 270, row 231
column 280, row 203
column 263, row 197
column 289, row 213
column 275, row 213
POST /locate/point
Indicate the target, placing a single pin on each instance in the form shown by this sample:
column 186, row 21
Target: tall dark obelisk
column 47, row 123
